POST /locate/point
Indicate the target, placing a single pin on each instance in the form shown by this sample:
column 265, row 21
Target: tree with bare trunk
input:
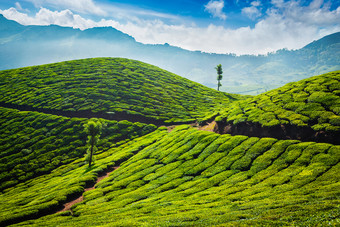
column 93, row 129
column 219, row 76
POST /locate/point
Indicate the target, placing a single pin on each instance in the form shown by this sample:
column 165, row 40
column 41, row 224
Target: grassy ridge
column 191, row 177
column 112, row 85
column 313, row 102
column 32, row 144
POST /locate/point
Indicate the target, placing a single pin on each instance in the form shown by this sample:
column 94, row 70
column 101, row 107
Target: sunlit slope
column 32, row 143
column 312, row 104
column 46, row 194
column 191, row 177
column 111, row 86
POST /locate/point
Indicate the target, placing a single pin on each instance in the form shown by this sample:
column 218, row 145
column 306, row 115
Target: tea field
column 271, row 160
column 312, row 104
column 110, row 86
column 33, row 144
column 194, row 178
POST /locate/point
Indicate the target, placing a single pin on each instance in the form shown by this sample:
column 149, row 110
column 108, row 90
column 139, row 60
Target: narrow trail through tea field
column 67, row 206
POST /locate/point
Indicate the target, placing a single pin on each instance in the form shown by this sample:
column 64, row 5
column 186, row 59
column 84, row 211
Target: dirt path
column 68, row 205
column 171, row 127
column 209, row 127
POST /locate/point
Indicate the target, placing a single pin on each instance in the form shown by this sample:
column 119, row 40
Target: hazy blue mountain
column 247, row 74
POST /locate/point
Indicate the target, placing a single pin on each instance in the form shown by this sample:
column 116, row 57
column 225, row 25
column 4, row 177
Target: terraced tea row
column 307, row 110
column 46, row 194
column 191, row 177
column 182, row 177
column 110, row 86
column 32, row 144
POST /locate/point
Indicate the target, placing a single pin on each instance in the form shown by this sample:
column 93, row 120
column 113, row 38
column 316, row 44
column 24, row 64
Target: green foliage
column 113, row 86
column 185, row 177
column 313, row 102
column 219, row 76
column 93, row 129
column 32, row 144
column 226, row 180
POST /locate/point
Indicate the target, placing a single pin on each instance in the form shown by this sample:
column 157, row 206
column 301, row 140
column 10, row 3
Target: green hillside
column 110, row 86
column 191, row 177
column 309, row 108
column 33, row 144
column 165, row 176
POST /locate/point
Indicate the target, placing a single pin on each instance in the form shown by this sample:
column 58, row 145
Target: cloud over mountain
column 282, row 25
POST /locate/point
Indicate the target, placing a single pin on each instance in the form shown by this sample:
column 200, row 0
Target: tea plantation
column 111, row 86
column 191, row 177
column 313, row 103
column 33, row 144
column 165, row 176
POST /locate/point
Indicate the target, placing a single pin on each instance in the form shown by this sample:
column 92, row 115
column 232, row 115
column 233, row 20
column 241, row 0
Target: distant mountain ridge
column 57, row 32
column 247, row 74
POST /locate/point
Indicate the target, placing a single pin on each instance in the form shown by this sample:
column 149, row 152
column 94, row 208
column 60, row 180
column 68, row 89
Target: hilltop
column 307, row 110
column 111, row 88
column 245, row 74
column 148, row 174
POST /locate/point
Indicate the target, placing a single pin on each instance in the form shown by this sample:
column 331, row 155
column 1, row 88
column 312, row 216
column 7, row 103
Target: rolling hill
column 112, row 88
column 307, row 110
column 245, row 74
column 165, row 176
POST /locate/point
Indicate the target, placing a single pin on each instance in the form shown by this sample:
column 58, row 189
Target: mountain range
column 246, row 74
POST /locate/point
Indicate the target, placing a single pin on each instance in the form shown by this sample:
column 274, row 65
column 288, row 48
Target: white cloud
column 252, row 11
column 18, row 6
column 277, row 3
column 215, row 8
column 46, row 17
column 80, row 6
column 315, row 14
column 287, row 25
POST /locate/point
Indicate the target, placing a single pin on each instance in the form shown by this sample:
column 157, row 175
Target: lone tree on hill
column 219, row 76
column 93, row 129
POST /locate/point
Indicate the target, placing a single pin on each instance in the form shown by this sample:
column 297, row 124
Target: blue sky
column 218, row 26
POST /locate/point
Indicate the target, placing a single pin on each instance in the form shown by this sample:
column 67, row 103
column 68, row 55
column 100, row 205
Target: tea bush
column 110, row 85
column 33, row 144
column 229, row 180
column 313, row 102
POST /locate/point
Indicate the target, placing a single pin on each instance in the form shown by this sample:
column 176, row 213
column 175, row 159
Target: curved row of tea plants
column 313, row 102
column 197, row 178
column 46, row 194
column 110, row 85
column 32, row 143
